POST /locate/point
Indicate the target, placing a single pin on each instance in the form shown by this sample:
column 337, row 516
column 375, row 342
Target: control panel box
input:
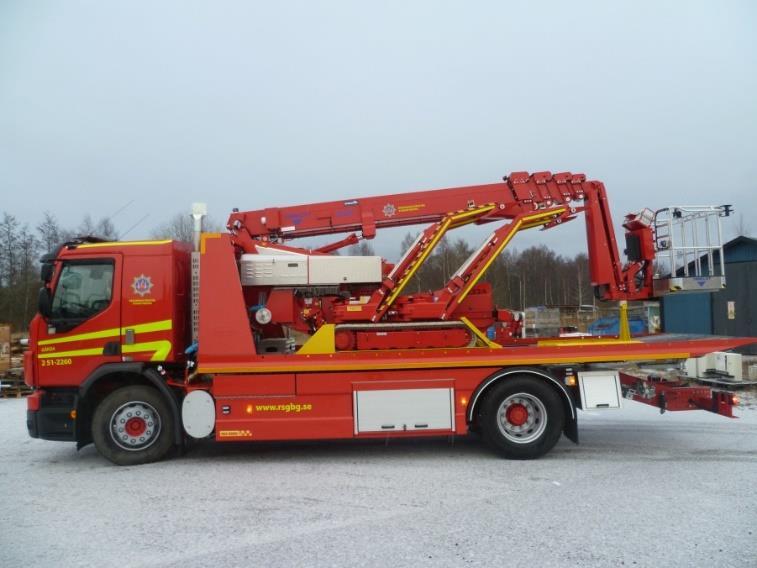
column 307, row 270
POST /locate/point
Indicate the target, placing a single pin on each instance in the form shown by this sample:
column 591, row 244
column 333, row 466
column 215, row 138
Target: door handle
column 112, row 348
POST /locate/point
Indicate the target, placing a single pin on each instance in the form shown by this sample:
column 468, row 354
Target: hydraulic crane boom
column 539, row 199
column 517, row 192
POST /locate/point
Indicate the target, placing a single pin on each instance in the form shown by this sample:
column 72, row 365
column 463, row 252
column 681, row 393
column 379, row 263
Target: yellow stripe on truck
column 122, row 244
column 160, row 348
column 74, row 353
column 163, row 325
column 102, row 334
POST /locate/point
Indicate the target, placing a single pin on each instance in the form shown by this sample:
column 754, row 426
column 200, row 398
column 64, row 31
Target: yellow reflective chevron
column 163, row 325
column 160, row 349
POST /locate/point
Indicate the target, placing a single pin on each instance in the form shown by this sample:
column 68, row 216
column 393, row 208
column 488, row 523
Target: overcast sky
column 257, row 104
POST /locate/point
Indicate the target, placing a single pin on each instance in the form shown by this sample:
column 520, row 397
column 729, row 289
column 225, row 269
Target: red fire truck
column 142, row 346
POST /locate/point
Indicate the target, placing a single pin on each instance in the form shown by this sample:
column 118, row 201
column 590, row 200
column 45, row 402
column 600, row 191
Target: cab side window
column 84, row 289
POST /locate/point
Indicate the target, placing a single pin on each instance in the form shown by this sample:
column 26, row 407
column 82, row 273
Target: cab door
column 83, row 329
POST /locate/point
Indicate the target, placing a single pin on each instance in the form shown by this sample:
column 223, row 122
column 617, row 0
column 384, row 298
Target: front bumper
column 50, row 415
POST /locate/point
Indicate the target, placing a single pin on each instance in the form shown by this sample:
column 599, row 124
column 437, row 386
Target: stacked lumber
column 12, row 365
column 12, row 384
column 5, row 347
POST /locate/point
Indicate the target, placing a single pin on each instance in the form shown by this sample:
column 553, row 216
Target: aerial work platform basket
column 689, row 243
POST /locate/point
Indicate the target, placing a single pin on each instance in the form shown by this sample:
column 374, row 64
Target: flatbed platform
column 549, row 352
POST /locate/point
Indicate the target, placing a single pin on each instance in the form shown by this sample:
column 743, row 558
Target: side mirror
column 46, row 272
column 45, row 303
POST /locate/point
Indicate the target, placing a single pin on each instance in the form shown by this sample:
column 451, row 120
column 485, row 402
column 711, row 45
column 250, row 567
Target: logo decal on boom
column 142, row 285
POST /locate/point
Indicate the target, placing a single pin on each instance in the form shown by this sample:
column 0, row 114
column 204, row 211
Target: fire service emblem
column 142, row 285
column 390, row 210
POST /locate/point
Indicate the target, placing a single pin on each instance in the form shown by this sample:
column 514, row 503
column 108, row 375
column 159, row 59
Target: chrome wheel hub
column 522, row 418
column 135, row 426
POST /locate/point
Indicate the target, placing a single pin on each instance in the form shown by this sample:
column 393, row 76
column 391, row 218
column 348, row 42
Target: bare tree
column 8, row 250
column 180, row 228
column 87, row 226
column 102, row 229
column 363, row 248
column 49, row 232
column 28, row 249
column 106, row 230
column 407, row 242
column 17, row 250
column 583, row 292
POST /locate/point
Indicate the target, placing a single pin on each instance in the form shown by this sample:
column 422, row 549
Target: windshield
column 84, row 290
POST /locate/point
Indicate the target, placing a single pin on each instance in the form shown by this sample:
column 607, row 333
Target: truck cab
column 108, row 312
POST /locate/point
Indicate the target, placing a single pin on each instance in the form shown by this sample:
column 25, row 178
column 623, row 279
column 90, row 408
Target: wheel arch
column 106, row 379
column 571, row 418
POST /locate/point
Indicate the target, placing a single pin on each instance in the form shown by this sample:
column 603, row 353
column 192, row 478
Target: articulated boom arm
column 539, row 199
column 518, row 193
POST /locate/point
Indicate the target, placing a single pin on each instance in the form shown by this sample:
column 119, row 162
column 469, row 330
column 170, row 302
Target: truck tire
column 522, row 418
column 133, row 425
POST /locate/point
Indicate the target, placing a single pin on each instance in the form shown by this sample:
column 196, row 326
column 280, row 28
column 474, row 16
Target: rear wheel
column 522, row 418
column 133, row 425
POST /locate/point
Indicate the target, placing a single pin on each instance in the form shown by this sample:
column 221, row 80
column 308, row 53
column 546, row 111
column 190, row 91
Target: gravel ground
column 641, row 490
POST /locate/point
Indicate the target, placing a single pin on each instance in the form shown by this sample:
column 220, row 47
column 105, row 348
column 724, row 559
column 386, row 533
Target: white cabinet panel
column 304, row 270
column 406, row 409
column 599, row 389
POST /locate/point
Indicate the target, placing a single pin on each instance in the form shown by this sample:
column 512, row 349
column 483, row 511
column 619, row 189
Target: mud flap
column 571, row 429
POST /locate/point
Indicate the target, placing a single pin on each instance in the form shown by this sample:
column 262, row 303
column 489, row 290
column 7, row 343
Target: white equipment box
column 729, row 365
column 696, row 366
column 599, row 389
column 308, row 270
column 404, row 410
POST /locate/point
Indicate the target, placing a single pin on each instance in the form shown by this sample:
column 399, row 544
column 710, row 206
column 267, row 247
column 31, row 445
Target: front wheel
column 522, row 418
column 133, row 425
